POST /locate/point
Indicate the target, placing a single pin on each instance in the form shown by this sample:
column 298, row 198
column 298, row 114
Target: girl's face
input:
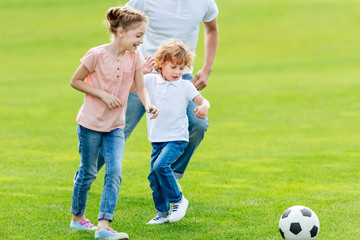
column 132, row 38
column 172, row 71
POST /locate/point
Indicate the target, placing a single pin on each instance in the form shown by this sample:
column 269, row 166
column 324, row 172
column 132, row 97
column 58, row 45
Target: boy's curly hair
column 174, row 51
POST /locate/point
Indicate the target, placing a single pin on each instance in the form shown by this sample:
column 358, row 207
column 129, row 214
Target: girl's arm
column 203, row 108
column 78, row 82
column 144, row 94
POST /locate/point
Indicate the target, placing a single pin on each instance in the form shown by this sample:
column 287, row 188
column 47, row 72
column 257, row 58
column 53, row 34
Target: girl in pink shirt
column 109, row 70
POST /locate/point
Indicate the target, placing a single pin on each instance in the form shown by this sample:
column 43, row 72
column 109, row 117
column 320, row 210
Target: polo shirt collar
column 175, row 83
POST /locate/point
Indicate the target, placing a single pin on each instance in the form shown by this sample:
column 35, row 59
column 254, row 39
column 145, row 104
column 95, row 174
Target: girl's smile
column 133, row 38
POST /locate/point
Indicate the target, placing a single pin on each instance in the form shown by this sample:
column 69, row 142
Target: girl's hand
column 152, row 109
column 111, row 101
column 201, row 112
column 148, row 66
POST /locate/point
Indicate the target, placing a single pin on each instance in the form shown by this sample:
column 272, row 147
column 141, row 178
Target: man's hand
column 201, row 79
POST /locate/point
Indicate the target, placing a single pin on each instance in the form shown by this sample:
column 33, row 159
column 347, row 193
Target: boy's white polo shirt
column 171, row 98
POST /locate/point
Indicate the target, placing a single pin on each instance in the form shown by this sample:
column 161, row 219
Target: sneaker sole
column 83, row 229
column 115, row 238
column 157, row 223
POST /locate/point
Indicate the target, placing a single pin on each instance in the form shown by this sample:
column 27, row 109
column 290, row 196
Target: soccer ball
column 299, row 222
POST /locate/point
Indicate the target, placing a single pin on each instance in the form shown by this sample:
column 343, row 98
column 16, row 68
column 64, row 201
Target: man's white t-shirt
column 171, row 98
column 173, row 19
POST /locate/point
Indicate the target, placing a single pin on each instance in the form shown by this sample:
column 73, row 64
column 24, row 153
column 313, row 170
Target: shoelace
column 157, row 218
column 175, row 207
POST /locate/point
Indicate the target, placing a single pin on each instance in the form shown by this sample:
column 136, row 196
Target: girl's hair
column 174, row 51
column 124, row 17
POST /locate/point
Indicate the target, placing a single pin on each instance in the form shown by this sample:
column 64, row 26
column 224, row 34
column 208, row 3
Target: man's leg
column 197, row 129
column 134, row 112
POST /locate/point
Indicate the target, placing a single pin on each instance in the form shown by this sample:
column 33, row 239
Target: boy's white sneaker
column 158, row 220
column 179, row 210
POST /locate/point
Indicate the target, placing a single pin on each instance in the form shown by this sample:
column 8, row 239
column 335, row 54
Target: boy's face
column 172, row 71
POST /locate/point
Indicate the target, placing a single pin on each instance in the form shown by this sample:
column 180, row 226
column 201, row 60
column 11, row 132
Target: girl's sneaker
column 109, row 233
column 84, row 224
column 158, row 220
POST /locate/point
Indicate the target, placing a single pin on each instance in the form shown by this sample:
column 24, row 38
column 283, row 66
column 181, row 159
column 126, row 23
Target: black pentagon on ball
column 286, row 213
column 314, row 231
column 282, row 233
column 295, row 228
column 305, row 212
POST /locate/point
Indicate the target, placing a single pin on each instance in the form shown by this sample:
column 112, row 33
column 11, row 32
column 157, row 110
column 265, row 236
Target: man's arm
column 211, row 38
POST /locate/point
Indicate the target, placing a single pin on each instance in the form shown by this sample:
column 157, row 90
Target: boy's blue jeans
column 197, row 128
column 162, row 180
column 112, row 147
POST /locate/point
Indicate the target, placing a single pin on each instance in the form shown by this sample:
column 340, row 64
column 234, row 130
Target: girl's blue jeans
column 162, row 180
column 112, row 147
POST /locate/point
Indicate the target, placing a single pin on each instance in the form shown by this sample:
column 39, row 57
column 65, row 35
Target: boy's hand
column 201, row 112
column 148, row 66
column 153, row 110
column 111, row 101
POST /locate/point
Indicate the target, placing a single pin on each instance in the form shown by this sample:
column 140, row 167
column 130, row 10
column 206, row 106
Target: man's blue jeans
column 112, row 147
column 162, row 180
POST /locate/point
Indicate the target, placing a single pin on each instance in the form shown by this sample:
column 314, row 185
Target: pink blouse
column 113, row 75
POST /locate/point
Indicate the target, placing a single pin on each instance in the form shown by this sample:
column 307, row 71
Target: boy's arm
column 144, row 94
column 78, row 82
column 203, row 108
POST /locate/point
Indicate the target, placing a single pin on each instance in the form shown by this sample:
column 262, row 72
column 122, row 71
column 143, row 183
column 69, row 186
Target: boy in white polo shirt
column 168, row 133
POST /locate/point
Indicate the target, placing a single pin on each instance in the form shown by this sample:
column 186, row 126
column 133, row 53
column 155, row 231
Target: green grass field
column 284, row 123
